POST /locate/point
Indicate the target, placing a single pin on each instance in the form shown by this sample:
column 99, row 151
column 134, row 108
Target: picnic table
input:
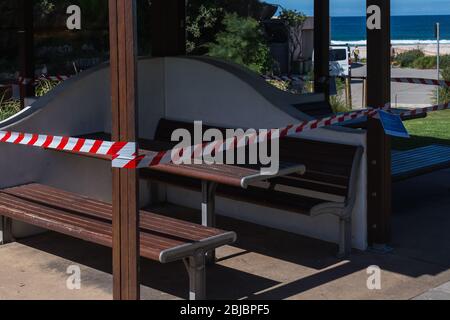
column 210, row 176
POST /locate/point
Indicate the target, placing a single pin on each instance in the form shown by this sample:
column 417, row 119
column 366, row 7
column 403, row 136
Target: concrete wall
column 178, row 88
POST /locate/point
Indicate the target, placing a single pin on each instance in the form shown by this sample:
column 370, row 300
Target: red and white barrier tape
column 124, row 153
column 79, row 145
column 283, row 78
column 430, row 82
column 419, row 111
column 203, row 150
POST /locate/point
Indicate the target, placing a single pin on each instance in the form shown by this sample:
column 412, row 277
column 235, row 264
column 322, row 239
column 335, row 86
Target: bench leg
column 208, row 212
column 6, row 230
column 345, row 235
column 196, row 267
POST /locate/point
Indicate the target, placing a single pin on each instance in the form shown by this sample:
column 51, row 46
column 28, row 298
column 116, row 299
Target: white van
column 340, row 61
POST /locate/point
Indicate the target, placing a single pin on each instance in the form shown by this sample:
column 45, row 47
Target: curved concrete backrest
column 180, row 88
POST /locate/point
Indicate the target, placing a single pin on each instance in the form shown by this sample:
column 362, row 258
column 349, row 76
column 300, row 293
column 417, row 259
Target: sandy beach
column 428, row 49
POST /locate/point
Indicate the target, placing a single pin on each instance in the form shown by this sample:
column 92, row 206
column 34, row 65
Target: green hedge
column 406, row 59
column 430, row 62
column 416, row 59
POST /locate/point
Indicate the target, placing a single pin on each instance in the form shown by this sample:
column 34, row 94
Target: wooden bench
column 412, row 163
column 162, row 239
column 328, row 187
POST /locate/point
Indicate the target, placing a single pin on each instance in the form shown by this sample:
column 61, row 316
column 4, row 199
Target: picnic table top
column 232, row 175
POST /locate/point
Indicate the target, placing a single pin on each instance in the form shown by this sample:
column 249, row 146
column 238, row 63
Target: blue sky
column 357, row 7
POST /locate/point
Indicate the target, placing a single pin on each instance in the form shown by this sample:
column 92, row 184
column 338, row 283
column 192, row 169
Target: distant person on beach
column 356, row 54
column 392, row 54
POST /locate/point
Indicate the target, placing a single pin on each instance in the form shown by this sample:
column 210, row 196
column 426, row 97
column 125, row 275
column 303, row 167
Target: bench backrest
column 331, row 168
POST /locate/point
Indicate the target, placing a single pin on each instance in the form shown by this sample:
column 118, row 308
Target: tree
column 294, row 22
column 205, row 19
column 242, row 42
column 202, row 23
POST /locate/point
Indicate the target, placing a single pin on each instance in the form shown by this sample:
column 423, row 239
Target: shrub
column 444, row 93
column 406, row 59
column 242, row 42
column 445, row 72
column 430, row 62
column 8, row 107
column 338, row 104
column 445, row 63
column 337, row 101
column 280, row 85
column 44, row 86
column 425, row 63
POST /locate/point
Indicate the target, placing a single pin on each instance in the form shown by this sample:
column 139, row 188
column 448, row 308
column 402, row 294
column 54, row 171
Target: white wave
column 394, row 42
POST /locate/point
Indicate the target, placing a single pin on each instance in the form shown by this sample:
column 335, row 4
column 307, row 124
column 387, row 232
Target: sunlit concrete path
column 403, row 94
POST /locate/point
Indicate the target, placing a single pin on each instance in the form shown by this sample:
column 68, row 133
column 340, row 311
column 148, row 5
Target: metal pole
column 438, row 37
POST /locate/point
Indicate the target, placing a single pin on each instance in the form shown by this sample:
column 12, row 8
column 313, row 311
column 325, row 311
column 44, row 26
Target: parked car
column 340, row 61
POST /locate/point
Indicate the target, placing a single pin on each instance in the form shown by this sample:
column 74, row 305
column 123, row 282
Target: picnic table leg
column 208, row 212
column 6, row 230
column 195, row 266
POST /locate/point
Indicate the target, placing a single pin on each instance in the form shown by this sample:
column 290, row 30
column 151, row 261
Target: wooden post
column 25, row 35
column 168, row 28
column 379, row 144
column 123, row 48
column 322, row 46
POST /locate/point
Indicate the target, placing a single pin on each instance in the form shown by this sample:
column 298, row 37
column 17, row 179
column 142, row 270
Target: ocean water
column 406, row 30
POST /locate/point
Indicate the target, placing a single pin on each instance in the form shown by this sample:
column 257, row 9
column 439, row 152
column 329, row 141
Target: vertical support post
column 322, row 46
column 6, row 235
column 25, row 35
column 379, row 144
column 208, row 212
column 168, row 28
column 195, row 266
column 123, row 48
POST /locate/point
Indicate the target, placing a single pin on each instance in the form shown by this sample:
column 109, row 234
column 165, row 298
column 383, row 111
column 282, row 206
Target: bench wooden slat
column 97, row 209
column 412, row 163
column 90, row 220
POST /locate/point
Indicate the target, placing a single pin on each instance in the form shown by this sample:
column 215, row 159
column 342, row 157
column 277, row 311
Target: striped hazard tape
column 283, row 78
column 430, row 82
column 414, row 112
column 203, row 150
column 124, row 154
column 78, row 145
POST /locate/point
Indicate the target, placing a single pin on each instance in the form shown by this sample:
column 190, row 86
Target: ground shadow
column 421, row 243
column 168, row 278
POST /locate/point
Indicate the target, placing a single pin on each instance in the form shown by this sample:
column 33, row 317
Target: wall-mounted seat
column 328, row 187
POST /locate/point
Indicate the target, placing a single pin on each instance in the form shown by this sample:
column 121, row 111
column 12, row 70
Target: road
column 403, row 94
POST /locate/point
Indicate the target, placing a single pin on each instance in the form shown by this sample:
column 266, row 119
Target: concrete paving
column 264, row 263
column 403, row 95
column 439, row 293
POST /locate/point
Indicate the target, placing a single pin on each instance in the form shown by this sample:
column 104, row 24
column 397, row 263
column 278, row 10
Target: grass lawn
column 434, row 129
